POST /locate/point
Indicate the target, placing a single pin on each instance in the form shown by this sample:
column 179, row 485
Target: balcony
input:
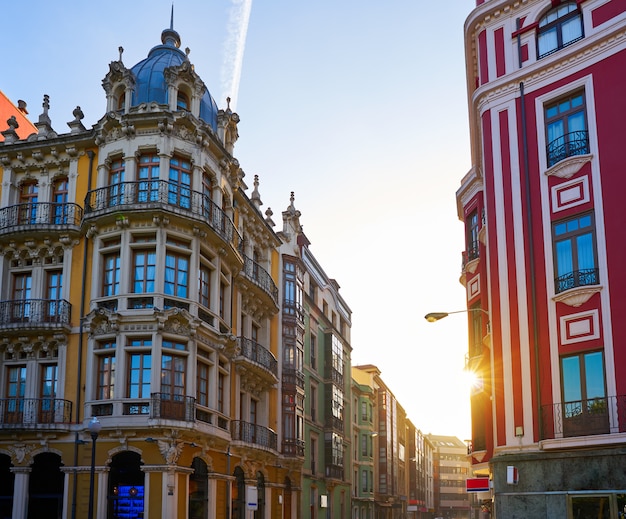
column 34, row 313
column 32, row 413
column 293, row 378
column 257, row 359
column 293, row 448
column 172, row 407
column 584, row 417
column 260, row 277
column 160, row 194
column 40, row 217
column 576, row 279
column 470, row 259
column 568, row 145
column 253, row 434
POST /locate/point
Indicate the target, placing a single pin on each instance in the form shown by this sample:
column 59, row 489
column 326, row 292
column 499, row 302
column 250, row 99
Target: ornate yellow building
column 138, row 285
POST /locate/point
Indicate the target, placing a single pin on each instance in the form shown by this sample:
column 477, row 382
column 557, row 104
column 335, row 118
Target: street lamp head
column 435, row 316
column 94, row 426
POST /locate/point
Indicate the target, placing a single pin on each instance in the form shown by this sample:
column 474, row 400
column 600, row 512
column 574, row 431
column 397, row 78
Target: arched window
column 121, row 101
column 199, row 490
column 559, row 28
column 182, row 101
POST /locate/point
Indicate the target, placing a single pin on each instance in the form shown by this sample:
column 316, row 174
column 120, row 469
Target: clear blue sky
column 358, row 106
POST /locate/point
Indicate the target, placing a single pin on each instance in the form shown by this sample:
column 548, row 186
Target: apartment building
column 543, row 214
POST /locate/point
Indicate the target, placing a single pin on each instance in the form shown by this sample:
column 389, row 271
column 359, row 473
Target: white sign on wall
column 252, row 498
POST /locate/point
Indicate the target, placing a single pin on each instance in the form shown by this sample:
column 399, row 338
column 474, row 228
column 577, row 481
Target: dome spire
column 170, row 36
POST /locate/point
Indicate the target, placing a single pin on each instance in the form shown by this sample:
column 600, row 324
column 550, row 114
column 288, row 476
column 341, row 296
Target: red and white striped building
column 545, row 259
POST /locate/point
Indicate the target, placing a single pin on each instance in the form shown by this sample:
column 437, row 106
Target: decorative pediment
column 102, row 322
column 177, row 321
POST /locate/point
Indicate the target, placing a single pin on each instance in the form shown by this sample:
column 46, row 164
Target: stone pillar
column 20, row 492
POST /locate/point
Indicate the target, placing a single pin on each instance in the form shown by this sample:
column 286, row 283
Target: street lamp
column 436, row 316
column 94, row 429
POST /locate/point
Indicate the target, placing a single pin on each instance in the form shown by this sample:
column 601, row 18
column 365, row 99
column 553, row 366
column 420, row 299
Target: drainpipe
column 91, row 156
column 531, row 262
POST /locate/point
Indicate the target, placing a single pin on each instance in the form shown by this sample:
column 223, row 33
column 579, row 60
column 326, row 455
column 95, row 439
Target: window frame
column 544, row 27
column 570, row 142
column 577, row 277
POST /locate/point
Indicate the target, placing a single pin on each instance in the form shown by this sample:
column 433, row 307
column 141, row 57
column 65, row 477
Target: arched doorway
column 45, row 487
column 6, row 488
column 259, row 513
column 239, row 495
column 287, row 500
column 199, row 490
column 126, row 486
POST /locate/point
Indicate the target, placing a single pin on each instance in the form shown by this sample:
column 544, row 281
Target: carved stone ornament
column 170, row 450
column 21, row 453
column 577, row 296
column 101, row 322
column 568, row 167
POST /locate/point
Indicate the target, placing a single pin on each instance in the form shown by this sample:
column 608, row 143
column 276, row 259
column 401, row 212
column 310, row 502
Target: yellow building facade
column 139, row 285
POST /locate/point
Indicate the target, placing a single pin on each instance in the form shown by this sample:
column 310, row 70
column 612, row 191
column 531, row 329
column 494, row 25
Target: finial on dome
column 121, row 50
column 170, row 36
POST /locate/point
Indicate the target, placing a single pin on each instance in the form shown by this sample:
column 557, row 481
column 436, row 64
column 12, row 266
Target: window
column 472, row 236
column 22, row 288
column 204, row 286
column 106, row 377
column 54, row 293
column 179, row 192
column 116, row 183
column 47, row 393
column 575, row 253
column 59, row 214
column 559, row 28
column 111, row 274
column 566, row 128
column 144, row 271
column 313, row 344
column 172, row 375
column 15, row 392
column 182, row 101
column 139, row 365
column 585, row 409
column 202, row 384
column 29, row 193
column 149, row 169
column 221, row 381
column 364, row 485
column 313, row 403
column 176, row 274
column 364, row 444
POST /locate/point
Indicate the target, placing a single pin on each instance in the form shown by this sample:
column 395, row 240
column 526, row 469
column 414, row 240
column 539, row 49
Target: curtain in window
column 584, row 246
column 555, row 130
column 571, row 30
column 564, row 261
column 547, row 41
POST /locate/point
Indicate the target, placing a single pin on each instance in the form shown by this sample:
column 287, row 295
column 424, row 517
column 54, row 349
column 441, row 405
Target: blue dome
column 150, row 77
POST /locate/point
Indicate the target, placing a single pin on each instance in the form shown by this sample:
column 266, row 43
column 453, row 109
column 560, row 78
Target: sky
column 357, row 106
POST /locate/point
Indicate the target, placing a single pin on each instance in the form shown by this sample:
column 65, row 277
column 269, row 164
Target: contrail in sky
column 233, row 50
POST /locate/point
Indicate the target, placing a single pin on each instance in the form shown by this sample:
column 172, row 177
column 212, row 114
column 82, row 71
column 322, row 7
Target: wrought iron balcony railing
column 254, row 434
column 40, row 215
column 173, row 407
column 253, row 351
column 575, row 279
column 293, row 377
column 293, row 447
column 470, row 254
column 34, row 312
column 257, row 274
column 32, row 412
column 584, row 417
column 150, row 194
column 568, row 145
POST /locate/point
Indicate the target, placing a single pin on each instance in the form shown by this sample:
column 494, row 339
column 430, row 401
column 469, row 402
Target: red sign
column 477, row 484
